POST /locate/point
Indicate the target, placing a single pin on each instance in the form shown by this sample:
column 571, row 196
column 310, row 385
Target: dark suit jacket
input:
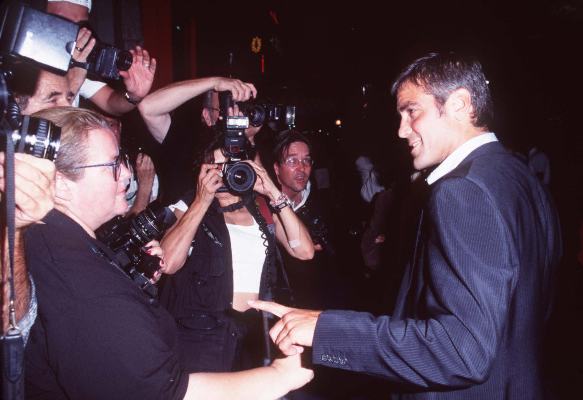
column 470, row 316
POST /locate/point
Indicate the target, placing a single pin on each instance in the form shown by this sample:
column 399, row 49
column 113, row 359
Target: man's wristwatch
column 280, row 203
column 135, row 102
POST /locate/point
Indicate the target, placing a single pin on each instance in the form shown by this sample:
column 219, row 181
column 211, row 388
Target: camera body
column 127, row 238
column 238, row 177
column 106, row 61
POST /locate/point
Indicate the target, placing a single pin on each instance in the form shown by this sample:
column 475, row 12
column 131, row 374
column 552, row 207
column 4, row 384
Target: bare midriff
column 240, row 300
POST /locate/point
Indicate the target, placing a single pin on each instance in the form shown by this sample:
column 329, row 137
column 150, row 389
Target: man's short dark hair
column 441, row 74
column 284, row 140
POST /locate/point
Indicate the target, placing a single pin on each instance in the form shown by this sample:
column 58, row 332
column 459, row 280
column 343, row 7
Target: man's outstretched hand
column 294, row 330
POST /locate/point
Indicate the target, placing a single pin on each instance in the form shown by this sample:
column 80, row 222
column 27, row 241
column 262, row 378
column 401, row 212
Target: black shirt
column 97, row 335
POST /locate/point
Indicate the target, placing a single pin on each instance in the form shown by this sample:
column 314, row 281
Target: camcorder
column 238, row 176
column 49, row 40
column 126, row 237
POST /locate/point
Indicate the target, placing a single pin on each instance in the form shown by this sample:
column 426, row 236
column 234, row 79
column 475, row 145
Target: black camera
column 260, row 114
column 317, row 228
column 239, row 177
column 106, row 61
column 34, row 136
column 127, row 238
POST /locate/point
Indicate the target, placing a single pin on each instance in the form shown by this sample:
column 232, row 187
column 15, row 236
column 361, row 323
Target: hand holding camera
column 210, row 179
column 35, row 187
column 263, row 184
column 240, row 91
column 139, row 77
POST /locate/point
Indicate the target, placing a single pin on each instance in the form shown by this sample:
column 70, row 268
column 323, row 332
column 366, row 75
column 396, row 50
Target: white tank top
column 248, row 254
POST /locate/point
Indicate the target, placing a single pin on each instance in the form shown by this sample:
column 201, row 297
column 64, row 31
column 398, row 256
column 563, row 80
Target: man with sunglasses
column 98, row 335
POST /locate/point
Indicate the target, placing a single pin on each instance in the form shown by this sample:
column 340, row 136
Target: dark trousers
column 220, row 341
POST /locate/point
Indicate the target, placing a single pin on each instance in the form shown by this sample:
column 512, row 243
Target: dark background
column 318, row 55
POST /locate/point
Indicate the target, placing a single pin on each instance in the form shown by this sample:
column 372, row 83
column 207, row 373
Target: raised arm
column 156, row 107
column 177, row 239
column 34, row 196
column 289, row 229
column 138, row 81
column 146, row 173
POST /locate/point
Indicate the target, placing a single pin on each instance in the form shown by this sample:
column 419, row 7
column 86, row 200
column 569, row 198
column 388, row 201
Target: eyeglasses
column 121, row 159
column 294, row 162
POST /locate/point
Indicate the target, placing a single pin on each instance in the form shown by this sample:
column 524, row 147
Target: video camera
column 126, row 237
column 49, row 40
column 238, row 177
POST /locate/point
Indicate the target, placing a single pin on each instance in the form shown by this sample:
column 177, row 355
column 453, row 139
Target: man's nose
column 125, row 172
column 62, row 102
column 404, row 128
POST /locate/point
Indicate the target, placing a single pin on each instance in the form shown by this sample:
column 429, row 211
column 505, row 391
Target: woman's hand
column 264, row 185
column 210, row 179
column 153, row 248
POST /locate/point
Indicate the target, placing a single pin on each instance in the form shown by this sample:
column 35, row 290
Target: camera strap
column 139, row 279
column 13, row 342
column 79, row 64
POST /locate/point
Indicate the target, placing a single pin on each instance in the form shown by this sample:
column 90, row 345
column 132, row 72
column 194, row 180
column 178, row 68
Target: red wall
column 157, row 31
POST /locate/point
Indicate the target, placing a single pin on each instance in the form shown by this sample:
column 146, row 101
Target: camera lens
column 124, row 60
column 38, row 137
column 240, row 178
column 256, row 115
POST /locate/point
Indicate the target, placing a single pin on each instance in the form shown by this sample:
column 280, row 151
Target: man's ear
column 63, row 187
column 459, row 105
column 276, row 169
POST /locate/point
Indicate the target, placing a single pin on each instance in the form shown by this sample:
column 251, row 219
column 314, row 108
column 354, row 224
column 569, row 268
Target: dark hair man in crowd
column 292, row 155
column 470, row 317
column 98, row 335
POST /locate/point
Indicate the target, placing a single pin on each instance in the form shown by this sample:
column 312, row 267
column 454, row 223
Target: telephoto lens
column 37, row 137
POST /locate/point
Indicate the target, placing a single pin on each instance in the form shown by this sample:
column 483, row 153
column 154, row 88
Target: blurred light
column 338, row 122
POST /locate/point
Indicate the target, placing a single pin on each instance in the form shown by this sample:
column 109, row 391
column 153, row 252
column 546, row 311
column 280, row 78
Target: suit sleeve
column 457, row 302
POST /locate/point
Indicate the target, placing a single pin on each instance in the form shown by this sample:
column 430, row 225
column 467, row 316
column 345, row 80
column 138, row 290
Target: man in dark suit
column 470, row 317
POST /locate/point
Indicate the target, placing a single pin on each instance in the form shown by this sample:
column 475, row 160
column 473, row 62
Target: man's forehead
column 409, row 93
column 297, row 147
column 51, row 83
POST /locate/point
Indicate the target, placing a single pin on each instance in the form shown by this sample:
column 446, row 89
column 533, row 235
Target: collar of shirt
column 305, row 194
column 459, row 154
